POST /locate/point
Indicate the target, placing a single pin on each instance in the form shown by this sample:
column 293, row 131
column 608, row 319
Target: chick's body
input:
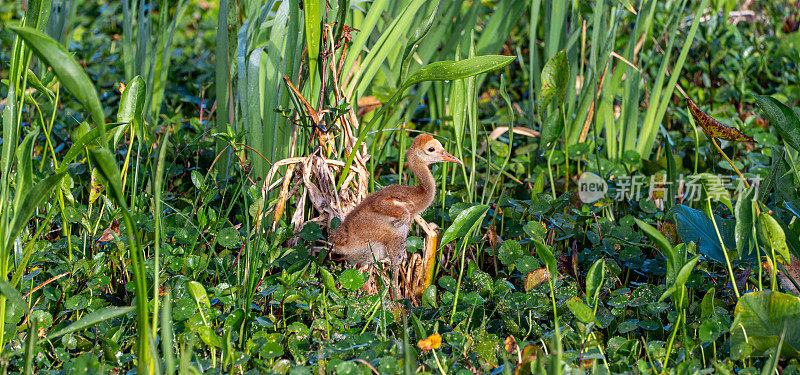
column 377, row 228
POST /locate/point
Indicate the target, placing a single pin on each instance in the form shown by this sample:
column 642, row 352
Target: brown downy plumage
column 377, row 228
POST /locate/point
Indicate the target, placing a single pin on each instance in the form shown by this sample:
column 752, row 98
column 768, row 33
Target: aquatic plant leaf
column 785, row 120
column 763, row 315
column 555, row 75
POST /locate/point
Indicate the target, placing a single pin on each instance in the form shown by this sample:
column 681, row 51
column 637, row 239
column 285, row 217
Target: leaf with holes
column 555, row 75
column 714, row 128
column 97, row 184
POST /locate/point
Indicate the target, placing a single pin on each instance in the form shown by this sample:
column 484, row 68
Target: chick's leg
column 396, row 257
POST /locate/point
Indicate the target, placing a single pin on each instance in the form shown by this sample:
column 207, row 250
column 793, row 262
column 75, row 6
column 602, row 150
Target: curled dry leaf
column 367, row 104
column 511, row 344
column 433, row 341
column 110, row 233
column 714, row 128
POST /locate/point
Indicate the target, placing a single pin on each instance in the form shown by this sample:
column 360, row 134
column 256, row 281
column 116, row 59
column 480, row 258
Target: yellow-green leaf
column 97, row 184
column 773, row 236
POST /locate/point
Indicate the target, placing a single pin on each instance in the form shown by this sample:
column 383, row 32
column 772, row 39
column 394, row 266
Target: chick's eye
column 431, row 149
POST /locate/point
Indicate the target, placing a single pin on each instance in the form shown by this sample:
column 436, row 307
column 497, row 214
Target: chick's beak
column 447, row 157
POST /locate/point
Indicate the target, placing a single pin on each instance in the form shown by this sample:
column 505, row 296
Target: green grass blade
column 222, row 80
column 38, row 194
column 91, row 319
column 69, row 72
column 158, row 185
column 24, row 173
column 438, row 71
column 30, row 346
column 649, row 131
column 366, row 27
column 311, row 10
column 167, row 336
column 108, row 167
column 164, row 49
column 127, row 39
column 12, row 295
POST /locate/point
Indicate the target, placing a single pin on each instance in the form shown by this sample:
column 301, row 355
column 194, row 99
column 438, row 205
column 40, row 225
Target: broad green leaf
column 694, row 226
column 772, row 236
column 131, row 103
column 555, row 75
column 351, row 279
column 69, row 72
column 715, row 189
column 12, row 295
column 38, row 194
column 24, row 176
column 429, row 297
column 81, row 130
column 707, row 304
column 34, row 82
column 271, row 350
column 229, row 238
column 197, row 179
column 762, row 316
column 658, row 239
column 78, row 148
column 711, row 329
column 463, row 223
column 509, row 252
column 105, row 161
column 594, row 280
column 551, row 129
column 744, row 212
column 685, row 272
column 209, row 337
column 547, row 257
column 198, row 292
column 91, row 319
column 680, row 281
column 328, row 281
column 782, row 118
column 453, row 70
column 581, row 311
